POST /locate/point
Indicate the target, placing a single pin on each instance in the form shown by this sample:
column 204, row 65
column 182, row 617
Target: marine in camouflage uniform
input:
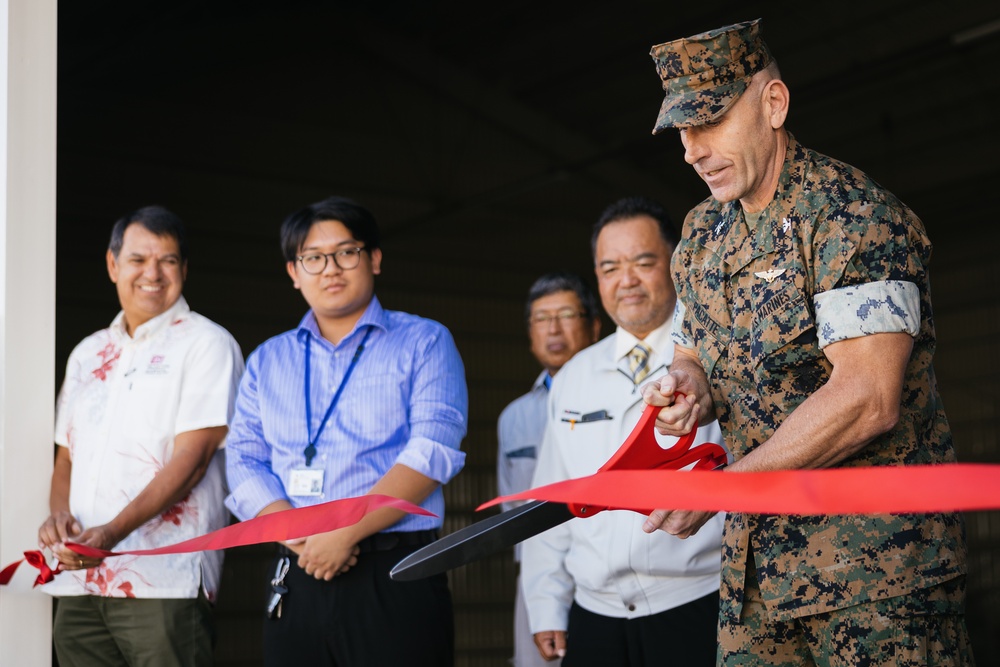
column 831, row 257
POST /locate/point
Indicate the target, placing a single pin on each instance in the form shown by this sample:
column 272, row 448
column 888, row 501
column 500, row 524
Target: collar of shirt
column 759, row 228
column 178, row 312
column 790, row 178
column 373, row 316
column 540, row 381
column 661, row 349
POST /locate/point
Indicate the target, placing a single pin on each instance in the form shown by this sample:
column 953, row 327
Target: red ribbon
column 35, row 559
column 275, row 527
column 873, row 490
column 643, row 475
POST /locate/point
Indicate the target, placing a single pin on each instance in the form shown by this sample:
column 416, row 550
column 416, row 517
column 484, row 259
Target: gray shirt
column 519, row 434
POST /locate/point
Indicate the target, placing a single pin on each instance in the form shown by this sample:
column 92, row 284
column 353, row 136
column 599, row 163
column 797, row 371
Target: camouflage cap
column 703, row 75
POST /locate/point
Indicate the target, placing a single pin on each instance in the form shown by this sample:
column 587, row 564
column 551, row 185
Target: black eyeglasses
column 345, row 259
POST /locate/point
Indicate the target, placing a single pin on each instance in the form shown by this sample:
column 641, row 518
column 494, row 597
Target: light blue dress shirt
column 406, row 402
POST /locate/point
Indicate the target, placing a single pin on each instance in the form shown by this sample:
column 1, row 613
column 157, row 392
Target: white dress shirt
column 605, row 562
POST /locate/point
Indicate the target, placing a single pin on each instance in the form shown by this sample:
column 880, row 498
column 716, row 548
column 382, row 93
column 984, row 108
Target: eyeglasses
column 346, row 259
column 563, row 316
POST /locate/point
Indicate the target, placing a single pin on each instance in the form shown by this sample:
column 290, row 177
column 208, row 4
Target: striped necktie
column 638, row 363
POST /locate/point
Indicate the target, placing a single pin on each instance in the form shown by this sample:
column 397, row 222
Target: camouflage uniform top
column 833, row 256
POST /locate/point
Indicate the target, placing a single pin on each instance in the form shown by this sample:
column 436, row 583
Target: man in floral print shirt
column 140, row 422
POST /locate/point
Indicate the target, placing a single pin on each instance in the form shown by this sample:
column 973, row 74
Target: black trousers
column 362, row 618
column 684, row 636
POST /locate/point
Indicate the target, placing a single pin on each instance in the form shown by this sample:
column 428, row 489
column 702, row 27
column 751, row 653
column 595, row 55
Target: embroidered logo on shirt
column 156, row 365
column 786, row 224
column 769, row 275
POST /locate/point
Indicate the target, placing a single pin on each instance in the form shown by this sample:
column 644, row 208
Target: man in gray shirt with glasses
column 562, row 319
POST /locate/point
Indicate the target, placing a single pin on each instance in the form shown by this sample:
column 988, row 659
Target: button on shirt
column 405, row 402
column 122, row 403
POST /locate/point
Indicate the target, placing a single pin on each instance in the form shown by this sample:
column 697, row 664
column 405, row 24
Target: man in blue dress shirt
column 562, row 319
column 355, row 400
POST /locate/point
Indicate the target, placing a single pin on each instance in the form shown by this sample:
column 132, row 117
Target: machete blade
column 481, row 539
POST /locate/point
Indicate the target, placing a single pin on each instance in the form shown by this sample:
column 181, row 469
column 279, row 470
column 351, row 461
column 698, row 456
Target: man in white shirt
column 562, row 319
column 140, row 423
column 599, row 591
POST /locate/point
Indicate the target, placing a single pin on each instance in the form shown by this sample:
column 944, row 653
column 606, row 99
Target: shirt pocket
column 710, row 338
column 785, row 354
column 140, row 421
column 522, row 469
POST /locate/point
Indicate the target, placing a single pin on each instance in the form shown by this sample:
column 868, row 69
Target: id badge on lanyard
column 305, row 482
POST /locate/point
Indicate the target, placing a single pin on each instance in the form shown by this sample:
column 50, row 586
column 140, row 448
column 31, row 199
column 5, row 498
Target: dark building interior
column 487, row 138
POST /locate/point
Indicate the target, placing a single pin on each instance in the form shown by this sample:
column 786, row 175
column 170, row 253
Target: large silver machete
column 481, row 539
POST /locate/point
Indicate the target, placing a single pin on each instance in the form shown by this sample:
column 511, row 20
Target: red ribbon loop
column 37, row 560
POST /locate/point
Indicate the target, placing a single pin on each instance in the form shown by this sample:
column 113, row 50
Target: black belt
column 386, row 541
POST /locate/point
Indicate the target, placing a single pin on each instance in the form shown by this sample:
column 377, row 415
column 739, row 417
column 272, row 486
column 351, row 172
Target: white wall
column 27, row 312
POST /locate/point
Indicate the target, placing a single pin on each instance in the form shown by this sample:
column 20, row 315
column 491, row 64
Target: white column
column 27, row 312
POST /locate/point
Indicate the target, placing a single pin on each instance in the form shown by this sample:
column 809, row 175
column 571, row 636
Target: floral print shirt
column 123, row 401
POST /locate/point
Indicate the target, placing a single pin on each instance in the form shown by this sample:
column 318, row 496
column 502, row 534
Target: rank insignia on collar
column 769, row 275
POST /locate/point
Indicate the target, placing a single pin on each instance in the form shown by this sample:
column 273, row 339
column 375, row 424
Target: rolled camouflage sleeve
column 872, row 257
column 885, row 306
column 680, row 329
